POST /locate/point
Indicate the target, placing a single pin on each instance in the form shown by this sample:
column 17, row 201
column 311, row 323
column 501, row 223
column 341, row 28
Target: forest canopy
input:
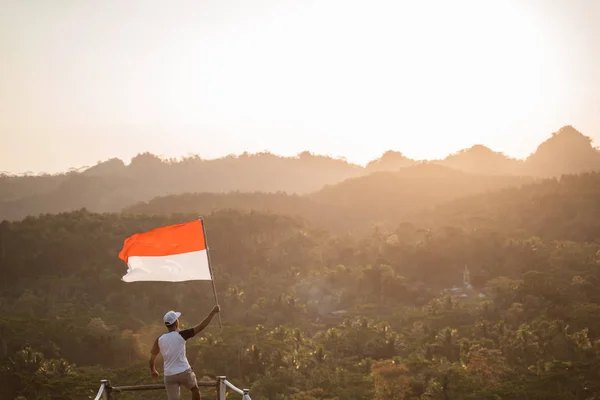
column 484, row 296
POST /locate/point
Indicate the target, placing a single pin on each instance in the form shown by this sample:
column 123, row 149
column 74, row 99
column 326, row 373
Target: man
column 171, row 345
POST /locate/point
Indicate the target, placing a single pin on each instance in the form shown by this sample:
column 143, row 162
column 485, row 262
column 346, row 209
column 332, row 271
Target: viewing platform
column 221, row 385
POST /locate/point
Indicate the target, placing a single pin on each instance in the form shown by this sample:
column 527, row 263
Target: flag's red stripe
column 165, row 241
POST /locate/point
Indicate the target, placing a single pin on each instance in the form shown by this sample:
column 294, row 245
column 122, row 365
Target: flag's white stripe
column 190, row 266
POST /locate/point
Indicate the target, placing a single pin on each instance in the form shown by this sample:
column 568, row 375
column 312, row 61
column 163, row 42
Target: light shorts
column 187, row 379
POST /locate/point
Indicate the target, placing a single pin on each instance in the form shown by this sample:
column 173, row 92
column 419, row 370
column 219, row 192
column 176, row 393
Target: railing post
column 106, row 392
column 221, row 388
column 246, row 394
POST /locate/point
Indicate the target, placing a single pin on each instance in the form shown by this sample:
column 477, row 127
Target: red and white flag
column 172, row 253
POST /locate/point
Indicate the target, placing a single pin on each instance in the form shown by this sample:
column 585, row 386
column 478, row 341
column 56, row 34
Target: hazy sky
column 87, row 80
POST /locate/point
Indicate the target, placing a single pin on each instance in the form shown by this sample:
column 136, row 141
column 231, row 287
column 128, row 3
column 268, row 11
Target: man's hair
column 172, row 325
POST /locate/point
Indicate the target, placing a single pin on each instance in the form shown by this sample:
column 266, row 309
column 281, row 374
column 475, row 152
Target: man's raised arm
column 200, row 327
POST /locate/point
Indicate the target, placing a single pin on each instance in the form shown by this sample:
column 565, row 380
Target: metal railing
column 221, row 384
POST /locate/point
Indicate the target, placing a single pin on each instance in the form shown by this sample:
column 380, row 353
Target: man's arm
column 189, row 333
column 153, row 353
column 200, row 327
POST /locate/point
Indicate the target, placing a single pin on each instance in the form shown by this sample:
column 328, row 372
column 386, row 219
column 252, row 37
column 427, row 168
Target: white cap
column 171, row 317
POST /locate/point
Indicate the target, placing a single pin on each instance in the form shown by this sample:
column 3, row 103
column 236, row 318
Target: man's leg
column 191, row 383
column 172, row 386
column 196, row 394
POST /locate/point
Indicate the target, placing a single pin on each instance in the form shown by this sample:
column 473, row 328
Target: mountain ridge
column 390, row 159
column 113, row 185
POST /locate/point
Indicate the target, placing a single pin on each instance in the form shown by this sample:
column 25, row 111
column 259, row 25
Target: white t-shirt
column 172, row 347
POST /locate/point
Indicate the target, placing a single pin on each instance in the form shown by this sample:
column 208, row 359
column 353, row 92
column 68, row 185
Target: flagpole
column 212, row 277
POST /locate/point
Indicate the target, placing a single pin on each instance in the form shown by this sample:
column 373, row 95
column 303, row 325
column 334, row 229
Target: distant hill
column 113, row 185
column 566, row 208
column 390, row 161
column 19, row 187
column 322, row 215
column 263, row 172
column 76, row 192
column 391, row 196
column 355, row 204
column 568, row 151
column 482, row 160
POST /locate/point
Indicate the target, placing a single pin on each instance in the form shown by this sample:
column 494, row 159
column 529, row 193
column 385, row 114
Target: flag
column 172, row 253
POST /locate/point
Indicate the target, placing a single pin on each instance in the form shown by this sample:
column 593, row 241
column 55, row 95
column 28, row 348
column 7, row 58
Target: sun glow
column 347, row 78
column 343, row 70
